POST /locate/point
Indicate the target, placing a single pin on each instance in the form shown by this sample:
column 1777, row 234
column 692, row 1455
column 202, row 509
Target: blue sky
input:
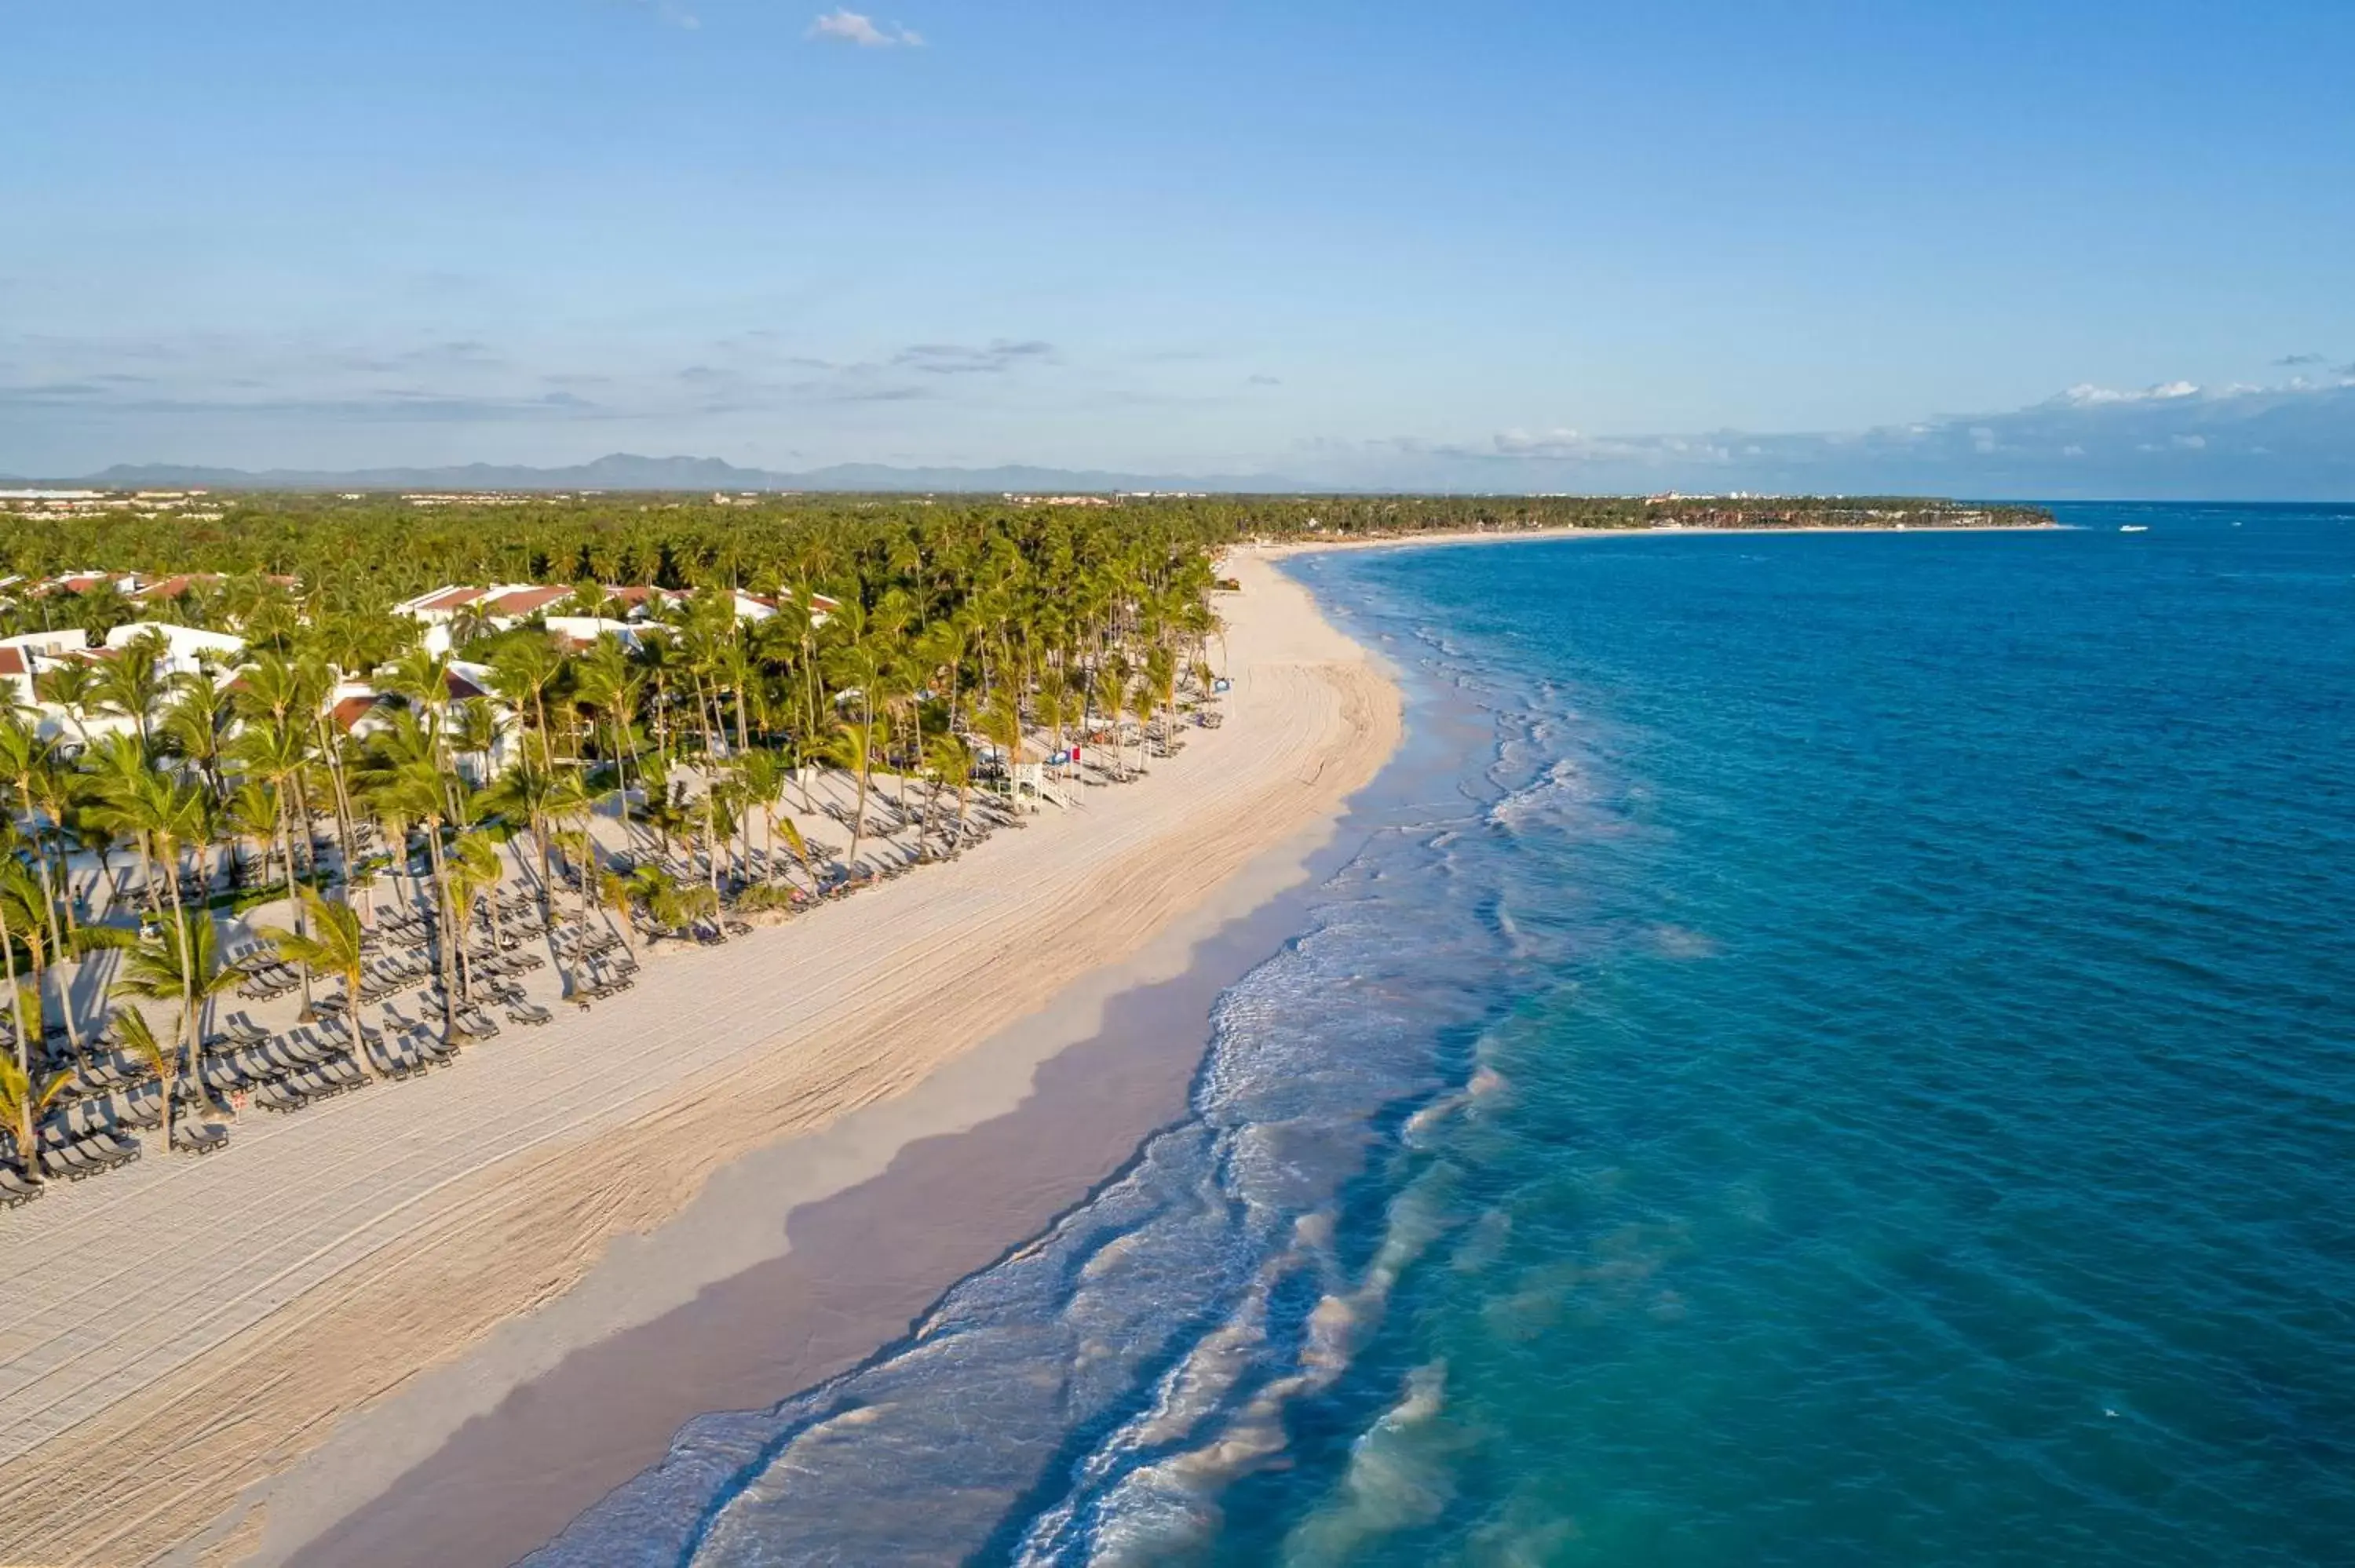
column 1511, row 246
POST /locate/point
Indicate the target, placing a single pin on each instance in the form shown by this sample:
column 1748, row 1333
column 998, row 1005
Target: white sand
column 177, row 1333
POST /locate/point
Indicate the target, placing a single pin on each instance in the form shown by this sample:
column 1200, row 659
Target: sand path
column 178, row 1331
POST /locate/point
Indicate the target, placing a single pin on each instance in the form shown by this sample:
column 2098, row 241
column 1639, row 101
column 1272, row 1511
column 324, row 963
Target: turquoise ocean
column 1822, row 1050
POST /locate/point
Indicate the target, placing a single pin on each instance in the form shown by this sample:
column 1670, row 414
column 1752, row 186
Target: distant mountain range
column 626, row 471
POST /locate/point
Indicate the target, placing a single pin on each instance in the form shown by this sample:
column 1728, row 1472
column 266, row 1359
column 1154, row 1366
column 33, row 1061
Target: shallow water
column 1830, row 1050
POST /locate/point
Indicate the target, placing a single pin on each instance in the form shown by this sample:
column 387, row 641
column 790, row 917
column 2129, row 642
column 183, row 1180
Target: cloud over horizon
column 73, row 405
column 2174, row 439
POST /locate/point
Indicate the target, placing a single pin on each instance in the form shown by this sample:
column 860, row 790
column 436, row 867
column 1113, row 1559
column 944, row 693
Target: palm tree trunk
column 443, row 924
column 65, row 884
column 859, row 817
column 352, row 1017
column 301, row 926
column 17, row 1001
column 41, row 859
column 547, row 889
column 343, row 809
column 188, row 1020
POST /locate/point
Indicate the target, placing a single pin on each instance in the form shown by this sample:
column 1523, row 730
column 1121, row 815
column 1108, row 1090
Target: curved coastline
column 191, row 1458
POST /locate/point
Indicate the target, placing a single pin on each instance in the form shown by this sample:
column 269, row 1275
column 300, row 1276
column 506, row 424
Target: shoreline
column 932, row 966
column 1276, row 551
column 974, row 1163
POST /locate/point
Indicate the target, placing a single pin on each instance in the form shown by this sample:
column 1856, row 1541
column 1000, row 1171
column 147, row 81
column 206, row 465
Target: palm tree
column 1000, row 724
column 422, row 680
column 611, row 685
column 61, row 793
column 1115, row 672
column 251, row 814
column 182, row 969
column 24, row 1101
column 197, row 721
column 617, row 894
column 949, row 760
column 412, row 791
column 473, row 872
column 334, row 946
column 572, row 802
column 523, row 795
column 27, row 764
column 272, row 753
column 132, row 1028
column 524, row 672
column 8, row 961
column 132, row 682
column 1161, row 681
column 21, row 916
column 475, row 729
column 852, row 746
column 71, row 684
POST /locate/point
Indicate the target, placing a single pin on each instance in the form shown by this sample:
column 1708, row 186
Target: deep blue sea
column 1826, row 1050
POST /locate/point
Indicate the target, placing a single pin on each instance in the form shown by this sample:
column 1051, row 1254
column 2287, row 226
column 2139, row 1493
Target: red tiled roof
column 351, row 710
column 461, row 688
column 448, row 597
column 12, row 662
column 526, row 601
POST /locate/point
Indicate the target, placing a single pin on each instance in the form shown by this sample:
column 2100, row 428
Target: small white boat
column 2134, row 528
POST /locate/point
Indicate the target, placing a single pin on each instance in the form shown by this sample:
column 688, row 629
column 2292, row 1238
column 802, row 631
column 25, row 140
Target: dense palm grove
column 373, row 550
column 169, row 804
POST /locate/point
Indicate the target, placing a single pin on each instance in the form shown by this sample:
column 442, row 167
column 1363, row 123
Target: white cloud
column 2085, row 395
column 848, row 27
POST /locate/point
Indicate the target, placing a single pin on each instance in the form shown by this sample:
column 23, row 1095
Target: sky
column 1994, row 248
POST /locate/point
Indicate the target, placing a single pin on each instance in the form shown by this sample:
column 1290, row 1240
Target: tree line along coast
column 377, row 758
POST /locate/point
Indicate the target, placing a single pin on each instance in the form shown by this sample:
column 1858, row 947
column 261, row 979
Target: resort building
column 619, row 611
column 360, row 707
column 179, row 651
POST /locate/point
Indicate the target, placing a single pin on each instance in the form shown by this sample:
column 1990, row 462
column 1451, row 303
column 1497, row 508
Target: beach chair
column 116, row 1150
column 281, row 1095
column 64, row 1160
column 530, row 1014
column 199, row 1137
column 142, row 1107
column 15, row 1191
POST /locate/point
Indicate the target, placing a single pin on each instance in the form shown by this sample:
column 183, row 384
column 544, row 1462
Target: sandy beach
column 341, row 1291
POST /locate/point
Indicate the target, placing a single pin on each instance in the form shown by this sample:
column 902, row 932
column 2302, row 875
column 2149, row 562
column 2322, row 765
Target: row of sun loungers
column 76, row 1157
column 267, row 977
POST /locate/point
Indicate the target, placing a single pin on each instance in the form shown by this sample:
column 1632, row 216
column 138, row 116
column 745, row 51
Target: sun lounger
column 15, row 1191
column 530, row 1014
column 281, row 1096
column 65, row 1159
column 199, row 1137
column 106, row 1145
column 473, row 1024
